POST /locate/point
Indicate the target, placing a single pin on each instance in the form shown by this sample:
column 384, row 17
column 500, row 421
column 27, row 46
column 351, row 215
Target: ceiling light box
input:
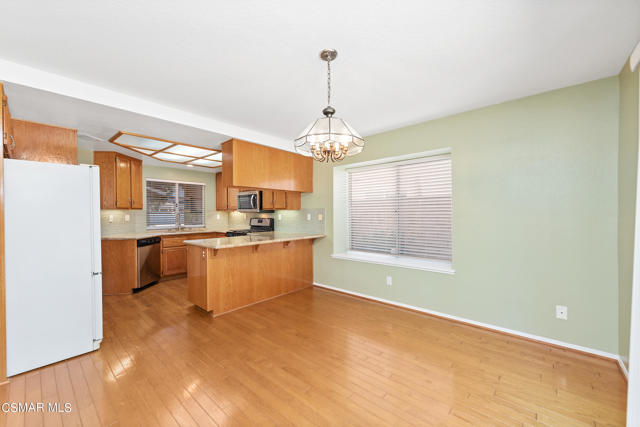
column 168, row 151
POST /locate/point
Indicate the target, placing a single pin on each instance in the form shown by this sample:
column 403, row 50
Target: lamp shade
column 329, row 134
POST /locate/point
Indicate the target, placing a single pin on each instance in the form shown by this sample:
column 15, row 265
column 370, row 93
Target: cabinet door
column 123, row 183
column 293, row 200
column 174, row 261
column 221, row 194
column 197, row 279
column 136, row 184
column 232, row 198
column 267, row 199
column 7, row 129
column 279, row 199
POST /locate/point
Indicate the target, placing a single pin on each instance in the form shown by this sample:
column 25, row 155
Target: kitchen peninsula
column 225, row 274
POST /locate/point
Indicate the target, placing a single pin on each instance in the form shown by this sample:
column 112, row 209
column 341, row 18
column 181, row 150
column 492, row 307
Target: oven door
column 249, row 201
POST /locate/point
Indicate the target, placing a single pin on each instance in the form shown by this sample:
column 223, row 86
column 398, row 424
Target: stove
column 233, row 233
column 258, row 225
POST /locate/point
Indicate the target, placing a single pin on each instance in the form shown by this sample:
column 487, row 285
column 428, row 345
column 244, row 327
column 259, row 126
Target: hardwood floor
column 313, row 357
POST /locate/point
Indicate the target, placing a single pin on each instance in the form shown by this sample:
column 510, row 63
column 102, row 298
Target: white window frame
column 172, row 226
column 341, row 222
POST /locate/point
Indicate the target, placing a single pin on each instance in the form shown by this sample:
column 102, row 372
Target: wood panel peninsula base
column 226, row 274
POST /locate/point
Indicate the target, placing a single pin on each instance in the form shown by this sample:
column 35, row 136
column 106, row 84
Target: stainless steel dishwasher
column 148, row 262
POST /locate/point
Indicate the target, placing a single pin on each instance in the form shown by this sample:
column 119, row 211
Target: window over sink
column 174, row 204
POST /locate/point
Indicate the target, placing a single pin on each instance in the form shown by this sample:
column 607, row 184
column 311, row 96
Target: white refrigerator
column 53, row 266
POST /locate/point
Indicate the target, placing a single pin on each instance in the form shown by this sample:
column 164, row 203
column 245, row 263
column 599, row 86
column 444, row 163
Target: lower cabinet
column 119, row 266
column 174, row 261
column 199, row 293
column 174, row 251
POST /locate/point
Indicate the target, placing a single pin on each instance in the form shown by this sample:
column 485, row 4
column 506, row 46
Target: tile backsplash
column 285, row 221
column 137, row 221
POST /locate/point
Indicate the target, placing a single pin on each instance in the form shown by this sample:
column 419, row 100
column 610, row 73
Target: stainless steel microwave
column 250, row 201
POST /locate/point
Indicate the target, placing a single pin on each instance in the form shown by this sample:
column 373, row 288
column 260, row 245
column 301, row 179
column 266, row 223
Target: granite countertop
column 155, row 233
column 251, row 239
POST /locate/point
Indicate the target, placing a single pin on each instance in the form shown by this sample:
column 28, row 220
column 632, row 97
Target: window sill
column 404, row 262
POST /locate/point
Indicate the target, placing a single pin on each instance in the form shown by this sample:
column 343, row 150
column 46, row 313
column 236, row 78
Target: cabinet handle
column 203, row 253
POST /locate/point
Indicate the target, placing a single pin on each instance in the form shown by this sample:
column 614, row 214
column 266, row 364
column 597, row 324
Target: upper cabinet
column 120, row 180
column 257, row 166
column 44, row 143
column 8, row 140
column 25, row 140
column 227, row 197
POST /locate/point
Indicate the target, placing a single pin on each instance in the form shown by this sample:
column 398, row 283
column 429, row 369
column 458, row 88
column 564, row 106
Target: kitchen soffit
column 168, row 151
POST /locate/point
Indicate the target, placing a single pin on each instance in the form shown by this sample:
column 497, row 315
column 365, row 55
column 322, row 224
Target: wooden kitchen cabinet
column 198, row 293
column 221, row 194
column 136, row 184
column 273, row 199
column 123, row 182
column 8, row 139
column 268, row 199
column 279, row 200
column 120, row 180
column 232, row 198
column 40, row 142
column 226, row 197
column 293, row 200
column 245, row 164
column 174, row 251
column 119, row 266
column 174, row 260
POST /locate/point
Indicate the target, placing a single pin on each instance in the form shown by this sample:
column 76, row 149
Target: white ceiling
column 251, row 67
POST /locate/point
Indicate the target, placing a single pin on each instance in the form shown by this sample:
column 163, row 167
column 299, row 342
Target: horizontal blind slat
column 167, row 200
column 402, row 208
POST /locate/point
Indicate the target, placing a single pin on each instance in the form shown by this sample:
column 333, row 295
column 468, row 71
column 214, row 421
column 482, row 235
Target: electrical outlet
column 279, row 217
column 389, row 281
column 308, row 217
column 561, row 312
column 320, row 217
column 217, row 216
column 110, row 218
column 127, row 218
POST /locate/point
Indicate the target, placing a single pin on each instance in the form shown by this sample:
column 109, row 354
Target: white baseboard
column 623, row 367
column 594, row 351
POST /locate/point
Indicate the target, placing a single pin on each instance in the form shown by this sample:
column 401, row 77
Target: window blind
column 191, row 204
column 402, row 208
column 171, row 204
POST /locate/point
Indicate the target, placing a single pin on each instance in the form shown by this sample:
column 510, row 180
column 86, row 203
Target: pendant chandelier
column 329, row 137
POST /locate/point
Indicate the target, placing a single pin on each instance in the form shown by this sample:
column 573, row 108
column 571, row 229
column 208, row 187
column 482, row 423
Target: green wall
column 627, row 179
column 535, row 215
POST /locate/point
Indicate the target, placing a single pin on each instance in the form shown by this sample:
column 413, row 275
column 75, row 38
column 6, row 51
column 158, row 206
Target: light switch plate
column 308, row 217
column 320, row 217
column 127, row 218
column 279, row 217
column 110, row 218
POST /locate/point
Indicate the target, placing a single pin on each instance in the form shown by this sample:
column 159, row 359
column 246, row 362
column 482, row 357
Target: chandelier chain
column 329, row 82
